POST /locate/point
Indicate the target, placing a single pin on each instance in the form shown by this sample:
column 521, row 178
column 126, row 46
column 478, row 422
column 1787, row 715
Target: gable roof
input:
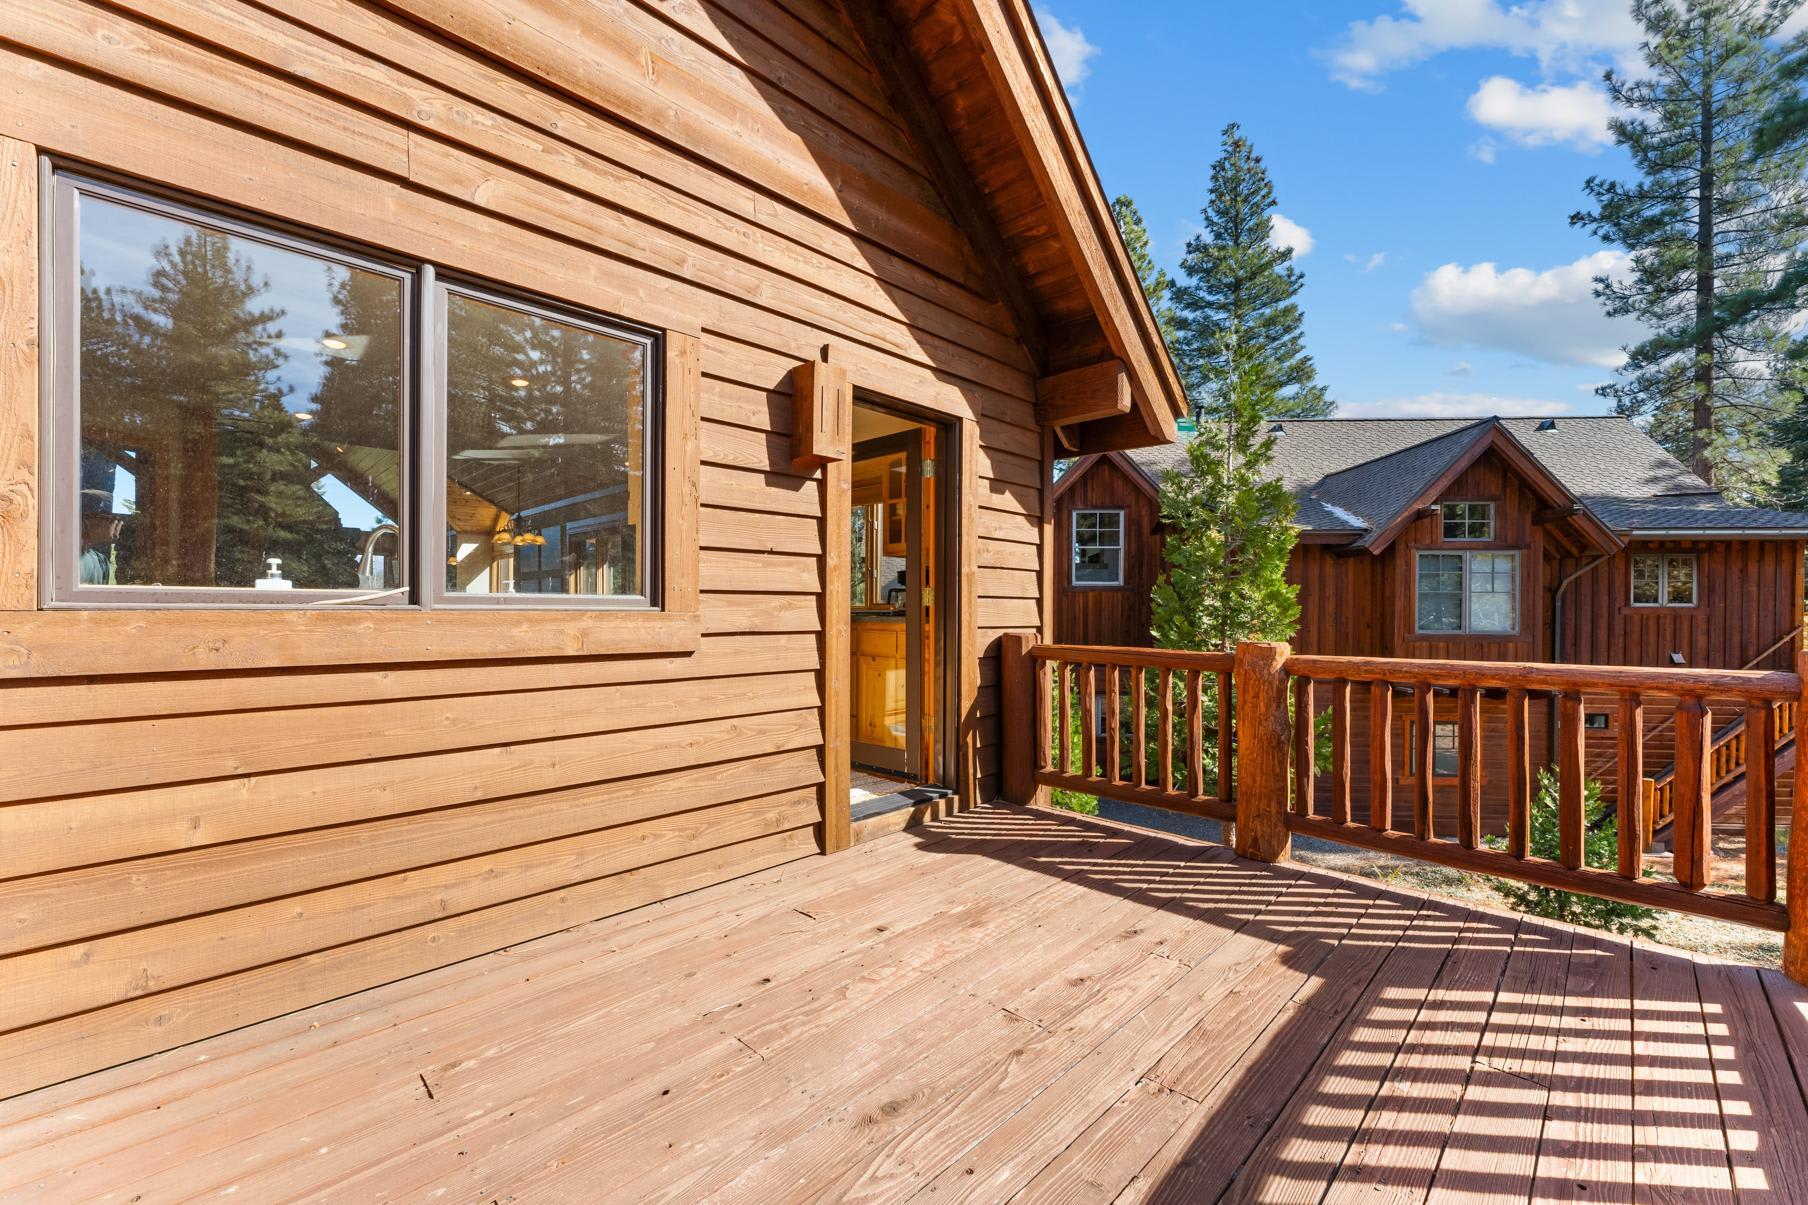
column 1358, row 478
column 975, row 81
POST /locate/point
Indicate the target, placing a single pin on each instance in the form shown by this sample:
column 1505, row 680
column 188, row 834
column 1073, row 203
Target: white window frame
column 1467, row 628
column 1444, row 521
column 1663, row 560
column 1073, row 536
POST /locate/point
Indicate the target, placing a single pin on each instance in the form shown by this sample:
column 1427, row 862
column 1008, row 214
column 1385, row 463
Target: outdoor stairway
column 1727, row 762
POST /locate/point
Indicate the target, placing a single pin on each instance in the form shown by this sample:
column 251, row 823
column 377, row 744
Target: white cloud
column 1548, row 315
column 1560, row 34
column 1068, row 48
column 1451, row 405
column 1461, row 368
column 1483, row 150
column 1285, row 232
column 1575, row 115
column 1375, row 261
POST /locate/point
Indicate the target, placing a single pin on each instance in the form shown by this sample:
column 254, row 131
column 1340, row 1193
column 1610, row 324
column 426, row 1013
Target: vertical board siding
column 1107, row 615
column 245, row 843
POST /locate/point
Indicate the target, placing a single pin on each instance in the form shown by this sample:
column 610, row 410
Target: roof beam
column 901, row 80
column 1080, row 395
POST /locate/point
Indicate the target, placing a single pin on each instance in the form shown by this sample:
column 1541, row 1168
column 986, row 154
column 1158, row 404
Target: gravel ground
column 1735, row 942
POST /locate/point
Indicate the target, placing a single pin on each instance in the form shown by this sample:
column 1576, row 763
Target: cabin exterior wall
column 1119, row 615
column 212, row 818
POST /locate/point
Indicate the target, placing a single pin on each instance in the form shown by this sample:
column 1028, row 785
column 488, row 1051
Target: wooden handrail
column 1728, row 757
column 1136, row 702
column 1130, row 703
column 1744, row 685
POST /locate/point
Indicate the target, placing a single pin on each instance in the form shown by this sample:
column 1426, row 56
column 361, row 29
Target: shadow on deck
column 1009, row 1004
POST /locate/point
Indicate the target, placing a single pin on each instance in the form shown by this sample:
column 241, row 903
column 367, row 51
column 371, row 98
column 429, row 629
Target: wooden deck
column 1012, row 1004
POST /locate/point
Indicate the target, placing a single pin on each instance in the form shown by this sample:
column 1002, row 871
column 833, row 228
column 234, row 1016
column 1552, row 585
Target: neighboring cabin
column 1520, row 539
column 525, row 338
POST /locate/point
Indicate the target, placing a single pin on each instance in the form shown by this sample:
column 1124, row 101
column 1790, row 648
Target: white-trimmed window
column 1468, row 593
column 1665, row 579
column 1467, row 520
column 1098, row 548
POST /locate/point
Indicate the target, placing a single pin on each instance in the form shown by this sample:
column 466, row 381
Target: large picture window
column 1468, row 592
column 1664, row 579
column 246, row 416
column 1098, row 548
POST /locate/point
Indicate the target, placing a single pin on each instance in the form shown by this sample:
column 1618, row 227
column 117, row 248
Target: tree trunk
column 1701, row 434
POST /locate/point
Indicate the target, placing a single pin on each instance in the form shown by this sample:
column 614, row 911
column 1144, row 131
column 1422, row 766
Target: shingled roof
column 1355, row 476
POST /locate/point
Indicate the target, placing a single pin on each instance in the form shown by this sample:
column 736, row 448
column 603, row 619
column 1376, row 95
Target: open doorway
column 898, row 701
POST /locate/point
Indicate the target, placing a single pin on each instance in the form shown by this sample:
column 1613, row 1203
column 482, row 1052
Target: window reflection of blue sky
column 118, row 246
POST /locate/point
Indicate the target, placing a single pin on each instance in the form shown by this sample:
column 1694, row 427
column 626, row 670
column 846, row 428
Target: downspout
column 1557, row 606
column 1557, row 639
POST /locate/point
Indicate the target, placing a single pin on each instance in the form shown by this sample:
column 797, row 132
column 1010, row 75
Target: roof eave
column 1022, row 74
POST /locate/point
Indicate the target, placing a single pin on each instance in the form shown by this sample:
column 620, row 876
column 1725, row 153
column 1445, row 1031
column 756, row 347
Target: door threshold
column 897, row 801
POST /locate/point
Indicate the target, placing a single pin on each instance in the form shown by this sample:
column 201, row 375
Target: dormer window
column 1467, row 520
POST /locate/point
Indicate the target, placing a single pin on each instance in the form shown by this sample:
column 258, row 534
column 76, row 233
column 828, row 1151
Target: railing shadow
column 1339, row 1036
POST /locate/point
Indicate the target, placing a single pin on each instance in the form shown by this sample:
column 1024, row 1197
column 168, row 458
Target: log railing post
column 1019, row 721
column 1795, row 941
column 1264, row 738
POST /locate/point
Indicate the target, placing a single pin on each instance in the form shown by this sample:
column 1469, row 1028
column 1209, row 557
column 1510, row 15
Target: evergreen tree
column 1709, row 221
column 1230, row 531
column 1235, row 311
column 1158, row 287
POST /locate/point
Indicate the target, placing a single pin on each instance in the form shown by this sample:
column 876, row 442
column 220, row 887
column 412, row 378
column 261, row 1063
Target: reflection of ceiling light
column 501, row 537
column 519, row 382
column 334, row 342
column 305, row 416
column 530, row 537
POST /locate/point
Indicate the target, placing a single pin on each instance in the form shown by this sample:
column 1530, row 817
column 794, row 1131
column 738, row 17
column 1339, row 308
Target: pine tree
column 1158, row 286
column 1230, row 532
column 1235, row 310
column 1709, row 218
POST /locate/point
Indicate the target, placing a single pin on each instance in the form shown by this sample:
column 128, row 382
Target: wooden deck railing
column 1726, row 756
column 1133, row 724
column 1266, row 741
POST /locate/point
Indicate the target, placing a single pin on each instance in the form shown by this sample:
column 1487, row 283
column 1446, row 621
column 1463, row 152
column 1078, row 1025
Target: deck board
column 1008, row 1004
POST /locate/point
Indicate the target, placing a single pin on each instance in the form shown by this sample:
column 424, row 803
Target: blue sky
column 1432, row 155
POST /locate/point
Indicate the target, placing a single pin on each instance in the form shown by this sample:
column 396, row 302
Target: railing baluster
column 1381, row 756
column 1691, row 832
column 1469, row 767
column 1630, row 805
column 1340, row 751
column 1066, row 736
column 1164, row 740
column 1761, row 802
column 1227, row 713
column 1089, row 748
column 1571, row 822
column 1424, row 751
column 1140, row 718
column 1113, row 755
column 1519, row 774
column 1302, row 747
column 1195, row 734
column 1045, row 701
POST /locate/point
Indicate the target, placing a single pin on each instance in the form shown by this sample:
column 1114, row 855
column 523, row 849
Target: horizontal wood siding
column 190, row 852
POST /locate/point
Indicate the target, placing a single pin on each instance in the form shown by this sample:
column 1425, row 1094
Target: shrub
column 1600, row 849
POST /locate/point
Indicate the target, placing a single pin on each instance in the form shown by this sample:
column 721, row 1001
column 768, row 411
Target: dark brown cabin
column 1571, row 540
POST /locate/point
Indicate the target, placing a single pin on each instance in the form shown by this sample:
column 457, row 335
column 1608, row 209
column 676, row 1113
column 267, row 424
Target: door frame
column 957, row 462
column 911, row 444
